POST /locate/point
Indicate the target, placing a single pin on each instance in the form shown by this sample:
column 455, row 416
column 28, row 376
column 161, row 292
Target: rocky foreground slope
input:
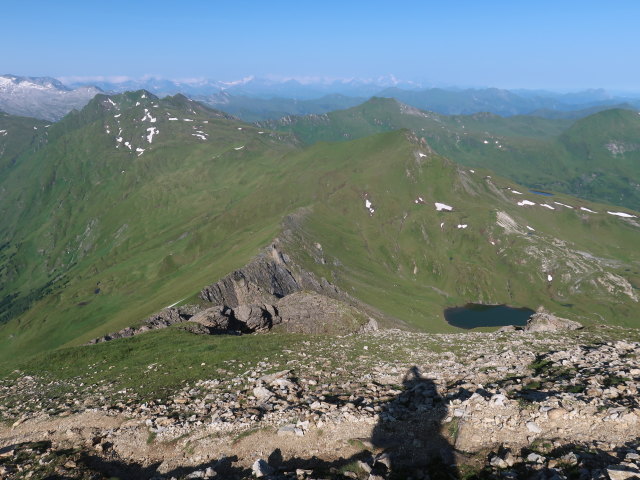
column 383, row 404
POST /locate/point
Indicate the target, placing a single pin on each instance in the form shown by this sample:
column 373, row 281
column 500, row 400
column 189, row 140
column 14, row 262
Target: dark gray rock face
column 256, row 318
column 264, row 280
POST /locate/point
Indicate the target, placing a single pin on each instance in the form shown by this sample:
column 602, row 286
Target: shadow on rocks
column 406, row 443
column 409, row 433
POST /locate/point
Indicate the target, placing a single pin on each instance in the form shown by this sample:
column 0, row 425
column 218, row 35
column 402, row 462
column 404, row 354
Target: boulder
column 218, row 319
column 543, row 321
column 255, row 318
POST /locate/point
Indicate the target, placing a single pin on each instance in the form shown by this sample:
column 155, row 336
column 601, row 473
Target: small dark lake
column 539, row 192
column 474, row 315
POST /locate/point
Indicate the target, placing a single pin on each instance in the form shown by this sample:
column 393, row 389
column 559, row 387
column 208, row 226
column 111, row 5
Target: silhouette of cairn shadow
column 409, row 431
column 407, row 439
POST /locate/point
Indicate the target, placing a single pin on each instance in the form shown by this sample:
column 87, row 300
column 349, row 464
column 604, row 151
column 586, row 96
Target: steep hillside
column 19, row 135
column 127, row 207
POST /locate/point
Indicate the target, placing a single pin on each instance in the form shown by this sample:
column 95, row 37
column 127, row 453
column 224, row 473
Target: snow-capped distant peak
column 41, row 97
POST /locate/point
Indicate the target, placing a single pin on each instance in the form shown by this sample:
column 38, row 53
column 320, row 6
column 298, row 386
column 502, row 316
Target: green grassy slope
column 97, row 236
column 109, row 236
column 410, row 260
column 594, row 158
column 18, row 135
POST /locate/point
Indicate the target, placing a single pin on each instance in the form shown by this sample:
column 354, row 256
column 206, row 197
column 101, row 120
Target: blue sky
column 509, row 44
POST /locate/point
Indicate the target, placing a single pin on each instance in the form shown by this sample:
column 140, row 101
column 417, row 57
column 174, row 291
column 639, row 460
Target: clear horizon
column 568, row 47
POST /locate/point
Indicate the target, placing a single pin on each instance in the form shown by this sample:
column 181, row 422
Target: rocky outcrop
column 243, row 319
column 265, row 279
column 162, row 319
column 544, row 321
column 311, row 312
column 268, row 291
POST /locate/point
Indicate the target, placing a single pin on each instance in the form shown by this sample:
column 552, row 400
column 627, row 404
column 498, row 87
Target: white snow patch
column 187, row 120
column 486, row 141
column 128, row 145
column 260, row 133
column 140, row 151
column 35, row 128
column 525, row 202
column 119, row 139
column 528, row 227
column 111, row 102
column 472, row 171
column 147, row 115
column 462, row 225
column 201, row 137
column 137, row 104
column 622, row 214
column 585, row 209
column 173, row 119
column 117, row 116
column 205, row 121
column 239, row 128
column 563, row 204
column 546, row 205
column 238, row 148
column 143, row 96
column 174, row 304
column 443, row 206
column 422, row 155
column 549, row 277
column 441, row 225
column 152, row 131
column 516, row 192
column 369, row 206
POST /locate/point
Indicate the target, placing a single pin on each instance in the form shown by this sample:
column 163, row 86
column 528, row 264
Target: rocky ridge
column 270, row 290
column 374, row 405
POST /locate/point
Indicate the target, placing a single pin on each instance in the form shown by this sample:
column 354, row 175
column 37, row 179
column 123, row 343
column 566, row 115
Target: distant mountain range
column 253, row 99
column 41, row 97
